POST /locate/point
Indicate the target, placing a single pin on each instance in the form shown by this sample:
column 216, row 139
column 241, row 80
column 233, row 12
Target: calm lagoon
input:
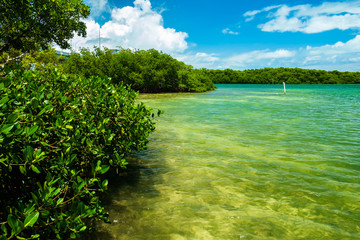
column 246, row 162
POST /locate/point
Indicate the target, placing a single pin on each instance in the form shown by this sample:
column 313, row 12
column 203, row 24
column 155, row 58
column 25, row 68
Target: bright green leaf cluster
column 59, row 135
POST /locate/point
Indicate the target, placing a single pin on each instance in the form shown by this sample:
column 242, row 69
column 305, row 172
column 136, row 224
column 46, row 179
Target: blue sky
column 232, row 33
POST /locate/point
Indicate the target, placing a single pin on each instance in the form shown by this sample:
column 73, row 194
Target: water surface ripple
column 247, row 162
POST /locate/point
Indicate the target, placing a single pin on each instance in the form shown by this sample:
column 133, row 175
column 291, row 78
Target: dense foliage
column 59, row 135
column 29, row 24
column 42, row 60
column 279, row 75
column 153, row 71
column 144, row 71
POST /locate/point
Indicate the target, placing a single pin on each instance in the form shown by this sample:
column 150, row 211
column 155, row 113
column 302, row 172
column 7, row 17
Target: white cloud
column 260, row 58
column 351, row 46
column 250, row 15
column 92, row 36
column 340, row 53
column 228, row 31
column 137, row 27
column 308, row 18
column 97, row 6
column 343, row 56
column 199, row 60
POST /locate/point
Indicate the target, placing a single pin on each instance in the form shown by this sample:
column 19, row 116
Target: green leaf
column 59, row 201
column 81, row 185
column 56, row 192
column 69, row 127
column 13, row 117
column 15, row 224
column 82, row 229
column 29, row 153
column 4, row 229
column 29, row 209
column 88, row 142
column 35, row 169
column 105, row 183
column 31, row 219
column 5, row 129
column 34, row 197
column 36, row 236
column 33, row 130
column 104, row 169
column 23, row 170
column 4, row 100
column 47, row 108
column 35, row 103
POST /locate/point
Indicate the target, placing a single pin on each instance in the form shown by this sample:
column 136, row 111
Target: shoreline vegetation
column 147, row 71
column 66, row 124
column 152, row 71
column 280, row 75
column 61, row 138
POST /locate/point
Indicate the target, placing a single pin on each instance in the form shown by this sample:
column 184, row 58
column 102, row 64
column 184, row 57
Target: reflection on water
column 245, row 162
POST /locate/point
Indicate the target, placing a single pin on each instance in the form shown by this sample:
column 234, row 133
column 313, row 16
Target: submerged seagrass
column 247, row 161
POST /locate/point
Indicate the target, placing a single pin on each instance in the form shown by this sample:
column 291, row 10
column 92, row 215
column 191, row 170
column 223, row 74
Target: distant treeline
column 145, row 71
column 153, row 71
column 279, row 75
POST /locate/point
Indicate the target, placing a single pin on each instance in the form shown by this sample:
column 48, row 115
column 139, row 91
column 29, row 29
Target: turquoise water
column 246, row 162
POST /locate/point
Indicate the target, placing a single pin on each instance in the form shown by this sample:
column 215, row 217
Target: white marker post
column 284, row 88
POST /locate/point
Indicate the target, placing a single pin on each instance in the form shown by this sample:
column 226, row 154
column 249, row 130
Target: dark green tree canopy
column 145, row 71
column 29, row 24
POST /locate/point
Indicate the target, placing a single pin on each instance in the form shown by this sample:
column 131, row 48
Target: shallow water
column 246, row 162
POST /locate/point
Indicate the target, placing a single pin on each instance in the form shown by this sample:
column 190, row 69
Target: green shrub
column 59, row 135
column 148, row 71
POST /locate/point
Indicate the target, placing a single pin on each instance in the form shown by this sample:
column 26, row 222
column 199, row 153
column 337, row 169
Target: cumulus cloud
column 137, row 27
column 340, row 53
column 351, row 46
column 308, row 18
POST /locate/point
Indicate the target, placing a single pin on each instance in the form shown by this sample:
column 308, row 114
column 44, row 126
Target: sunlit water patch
column 246, row 162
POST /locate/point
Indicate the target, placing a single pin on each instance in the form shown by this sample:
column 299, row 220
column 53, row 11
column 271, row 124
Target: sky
column 235, row 34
